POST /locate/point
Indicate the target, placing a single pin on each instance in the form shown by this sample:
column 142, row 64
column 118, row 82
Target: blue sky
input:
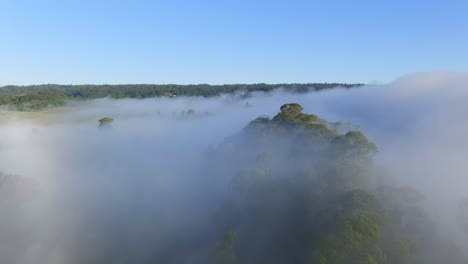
column 76, row 42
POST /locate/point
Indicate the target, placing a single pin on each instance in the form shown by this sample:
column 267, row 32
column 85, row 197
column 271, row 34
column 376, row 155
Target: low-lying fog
column 114, row 188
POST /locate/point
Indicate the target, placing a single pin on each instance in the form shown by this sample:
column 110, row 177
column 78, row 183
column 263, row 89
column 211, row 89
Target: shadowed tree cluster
column 312, row 195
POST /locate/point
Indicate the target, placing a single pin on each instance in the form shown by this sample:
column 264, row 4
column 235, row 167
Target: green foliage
column 308, row 196
column 402, row 249
column 353, row 144
column 354, row 242
column 290, row 120
column 37, row 97
column 292, row 113
column 224, row 251
column 105, row 121
column 361, row 202
column 289, row 112
column 190, row 112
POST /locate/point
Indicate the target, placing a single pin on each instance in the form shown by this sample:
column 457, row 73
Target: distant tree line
column 36, row 97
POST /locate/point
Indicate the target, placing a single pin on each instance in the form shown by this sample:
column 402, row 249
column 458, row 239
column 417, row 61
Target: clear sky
column 244, row 41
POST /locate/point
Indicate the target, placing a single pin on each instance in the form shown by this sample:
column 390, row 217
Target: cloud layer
column 108, row 187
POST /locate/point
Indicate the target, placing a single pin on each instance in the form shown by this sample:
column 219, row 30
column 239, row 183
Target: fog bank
column 139, row 185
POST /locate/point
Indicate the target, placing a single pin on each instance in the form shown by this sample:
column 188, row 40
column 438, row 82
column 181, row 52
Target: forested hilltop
column 37, row 97
column 311, row 194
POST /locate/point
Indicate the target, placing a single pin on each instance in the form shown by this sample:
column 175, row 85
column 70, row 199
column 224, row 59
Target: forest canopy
column 36, row 97
column 312, row 195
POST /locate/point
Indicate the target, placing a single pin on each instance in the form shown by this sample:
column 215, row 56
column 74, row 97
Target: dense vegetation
column 36, row 97
column 312, row 195
column 105, row 121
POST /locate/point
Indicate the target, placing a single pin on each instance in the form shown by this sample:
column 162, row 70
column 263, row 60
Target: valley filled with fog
column 192, row 179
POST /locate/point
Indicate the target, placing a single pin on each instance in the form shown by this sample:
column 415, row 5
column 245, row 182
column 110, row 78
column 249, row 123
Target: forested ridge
column 312, row 195
column 36, row 97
